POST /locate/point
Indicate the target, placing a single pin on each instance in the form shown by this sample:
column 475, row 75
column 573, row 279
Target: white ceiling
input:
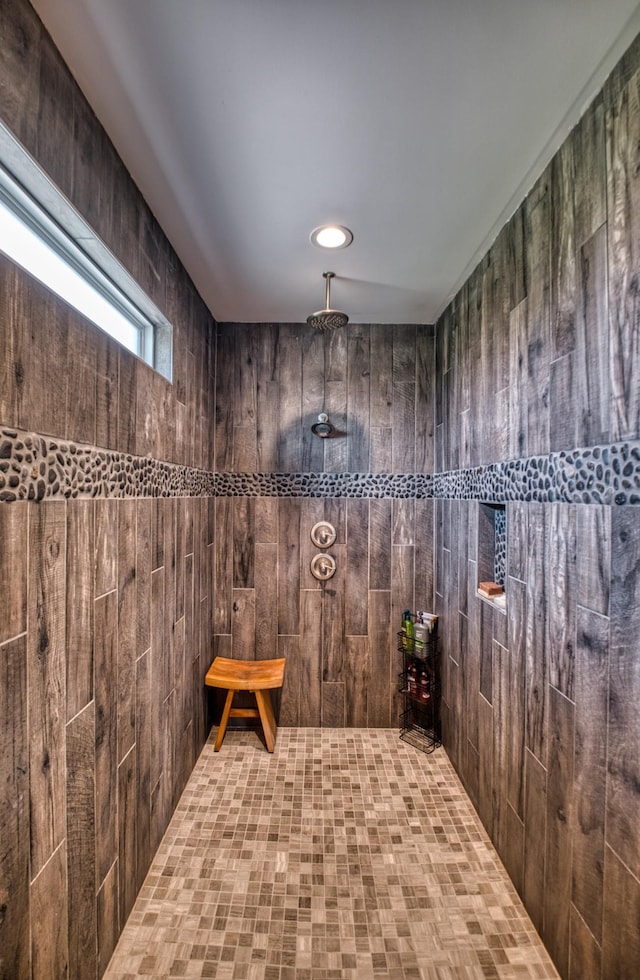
column 419, row 124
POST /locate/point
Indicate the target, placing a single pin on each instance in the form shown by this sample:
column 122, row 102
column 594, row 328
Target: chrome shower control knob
column 323, row 567
column 323, row 534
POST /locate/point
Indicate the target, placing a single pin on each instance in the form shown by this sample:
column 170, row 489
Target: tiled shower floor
column 345, row 854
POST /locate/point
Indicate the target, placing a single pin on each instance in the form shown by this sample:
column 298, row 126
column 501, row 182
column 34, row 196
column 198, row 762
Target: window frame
column 32, row 197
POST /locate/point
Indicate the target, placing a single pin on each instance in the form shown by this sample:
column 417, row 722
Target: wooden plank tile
column 379, row 544
column 357, row 681
column 243, row 624
column 404, row 423
column 593, row 557
column 158, row 533
column 14, row 810
column 404, row 351
column 519, row 436
column 267, row 402
column 127, row 625
column 223, row 583
column 310, row 668
column 243, row 523
column 266, row 601
column 289, row 360
column 107, row 909
column 516, row 258
column 441, row 512
column 623, row 779
column 106, row 553
column 563, row 414
column 460, row 315
column 563, row 251
column 313, row 347
column 81, row 366
column 621, row 937
column 81, row 829
column 357, row 570
column 536, row 391
column 535, row 823
column 500, row 310
column 245, row 449
column 333, row 705
column 106, row 732
column 358, row 390
column 516, row 717
column 79, row 611
column 381, row 401
column 190, row 643
column 470, row 666
column 49, row 942
column 517, row 539
column 143, row 767
column 288, row 566
column 623, row 209
column 127, row 889
column 561, row 577
column 585, row 957
column 402, row 582
column 592, row 676
column 41, row 396
column 289, row 715
column 106, row 392
column 486, row 773
column 245, row 368
column 266, row 518
column 336, row 450
column 486, row 651
column 46, row 679
column 560, row 829
column 403, row 522
column 513, row 851
column 537, row 654
column 382, row 662
column 381, row 451
column 501, row 711
column 592, row 356
column 127, row 402
column 13, row 570
column 423, row 571
column 441, row 362
column 159, row 675
column 590, row 194
column 143, row 575
column 474, row 368
column 485, row 383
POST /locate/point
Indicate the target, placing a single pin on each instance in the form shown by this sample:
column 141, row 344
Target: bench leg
column 223, row 721
column 265, row 709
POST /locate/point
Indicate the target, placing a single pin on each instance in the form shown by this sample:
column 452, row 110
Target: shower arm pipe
column 327, row 291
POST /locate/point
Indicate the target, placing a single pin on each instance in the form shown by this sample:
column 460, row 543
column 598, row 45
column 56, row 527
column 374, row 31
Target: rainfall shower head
column 328, row 319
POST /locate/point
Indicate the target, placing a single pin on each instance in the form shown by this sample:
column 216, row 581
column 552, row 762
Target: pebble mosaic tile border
column 35, row 467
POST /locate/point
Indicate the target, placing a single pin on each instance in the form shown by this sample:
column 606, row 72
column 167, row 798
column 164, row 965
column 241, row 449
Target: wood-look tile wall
column 106, row 606
column 374, row 382
column 539, row 352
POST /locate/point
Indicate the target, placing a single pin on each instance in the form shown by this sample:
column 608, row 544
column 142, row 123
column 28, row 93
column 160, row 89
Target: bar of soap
column 490, row 589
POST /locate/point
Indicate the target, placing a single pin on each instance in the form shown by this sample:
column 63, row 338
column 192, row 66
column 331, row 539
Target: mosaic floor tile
column 345, row 855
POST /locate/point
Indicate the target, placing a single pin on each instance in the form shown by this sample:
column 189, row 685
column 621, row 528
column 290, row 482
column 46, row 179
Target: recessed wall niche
column 492, row 549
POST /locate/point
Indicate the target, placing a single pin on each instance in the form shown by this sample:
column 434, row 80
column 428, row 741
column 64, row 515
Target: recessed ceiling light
column 331, row 236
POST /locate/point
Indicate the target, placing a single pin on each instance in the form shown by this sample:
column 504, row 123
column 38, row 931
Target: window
column 65, row 254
